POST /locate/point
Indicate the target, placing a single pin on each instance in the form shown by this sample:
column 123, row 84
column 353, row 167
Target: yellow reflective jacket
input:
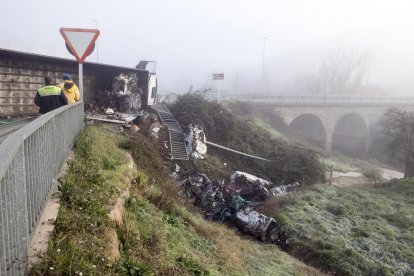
column 71, row 91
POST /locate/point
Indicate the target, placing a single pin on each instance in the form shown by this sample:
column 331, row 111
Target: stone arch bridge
column 339, row 123
column 344, row 128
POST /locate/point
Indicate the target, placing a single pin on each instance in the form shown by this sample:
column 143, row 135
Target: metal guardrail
column 282, row 99
column 177, row 139
column 30, row 159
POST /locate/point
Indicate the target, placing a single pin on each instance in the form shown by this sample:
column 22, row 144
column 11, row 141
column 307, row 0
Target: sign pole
column 80, row 43
column 218, row 92
column 219, row 77
column 81, row 81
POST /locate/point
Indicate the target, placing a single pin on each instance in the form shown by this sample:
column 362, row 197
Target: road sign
column 70, row 51
column 219, row 76
column 80, row 41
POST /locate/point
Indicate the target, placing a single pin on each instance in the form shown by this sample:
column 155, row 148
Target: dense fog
column 364, row 46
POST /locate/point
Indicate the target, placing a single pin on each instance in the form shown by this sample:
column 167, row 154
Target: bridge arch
column 310, row 128
column 350, row 135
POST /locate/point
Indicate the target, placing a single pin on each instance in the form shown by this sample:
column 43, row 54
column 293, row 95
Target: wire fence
column 30, row 159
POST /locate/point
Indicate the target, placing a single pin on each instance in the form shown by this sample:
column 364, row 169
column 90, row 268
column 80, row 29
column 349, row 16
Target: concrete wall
column 21, row 74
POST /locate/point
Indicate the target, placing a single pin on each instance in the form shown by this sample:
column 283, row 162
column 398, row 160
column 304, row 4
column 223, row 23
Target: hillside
column 342, row 231
column 158, row 233
column 346, row 231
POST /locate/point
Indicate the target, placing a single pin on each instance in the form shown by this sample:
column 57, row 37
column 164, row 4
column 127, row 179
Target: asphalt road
column 8, row 128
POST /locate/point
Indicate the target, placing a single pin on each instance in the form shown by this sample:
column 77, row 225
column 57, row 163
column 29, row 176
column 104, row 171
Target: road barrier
column 30, row 159
column 282, row 99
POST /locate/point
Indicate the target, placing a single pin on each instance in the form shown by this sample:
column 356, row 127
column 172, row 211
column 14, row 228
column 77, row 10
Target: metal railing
column 282, row 99
column 30, row 159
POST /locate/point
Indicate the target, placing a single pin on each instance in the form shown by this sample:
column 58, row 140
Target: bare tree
column 397, row 135
column 344, row 72
column 341, row 72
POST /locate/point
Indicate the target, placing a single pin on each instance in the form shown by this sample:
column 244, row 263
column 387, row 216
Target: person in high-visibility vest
column 49, row 97
column 70, row 89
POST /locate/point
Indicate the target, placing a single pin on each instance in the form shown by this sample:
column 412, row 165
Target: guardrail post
column 22, row 213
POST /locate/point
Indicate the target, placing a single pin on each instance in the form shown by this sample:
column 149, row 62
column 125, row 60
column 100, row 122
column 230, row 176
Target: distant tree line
column 341, row 72
column 397, row 135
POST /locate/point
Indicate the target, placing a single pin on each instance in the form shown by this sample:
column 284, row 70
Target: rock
column 134, row 128
column 284, row 189
column 154, row 127
column 113, row 245
column 154, row 136
column 109, row 111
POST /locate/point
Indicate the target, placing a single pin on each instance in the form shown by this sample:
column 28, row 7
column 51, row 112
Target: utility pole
column 237, row 83
column 263, row 62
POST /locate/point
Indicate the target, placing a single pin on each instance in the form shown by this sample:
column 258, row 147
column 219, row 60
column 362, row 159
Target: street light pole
column 263, row 63
column 97, row 47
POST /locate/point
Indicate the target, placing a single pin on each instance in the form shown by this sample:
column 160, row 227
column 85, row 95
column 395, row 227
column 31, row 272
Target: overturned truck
column 124, row 90
column 24, row 72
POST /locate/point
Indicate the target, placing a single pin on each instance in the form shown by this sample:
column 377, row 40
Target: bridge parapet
column 30, row 159
column 332, row 100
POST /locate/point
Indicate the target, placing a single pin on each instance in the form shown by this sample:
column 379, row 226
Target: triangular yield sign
column 80, row 41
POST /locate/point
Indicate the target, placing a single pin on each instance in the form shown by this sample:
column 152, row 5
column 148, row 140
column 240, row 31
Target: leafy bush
column 288, row 163
column 372, row 173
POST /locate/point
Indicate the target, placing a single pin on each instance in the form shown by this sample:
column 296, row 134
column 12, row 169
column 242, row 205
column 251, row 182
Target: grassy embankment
column 352, row 231
column 159, row 235
column 348, row 231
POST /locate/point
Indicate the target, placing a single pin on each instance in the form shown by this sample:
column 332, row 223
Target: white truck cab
column 151, row 89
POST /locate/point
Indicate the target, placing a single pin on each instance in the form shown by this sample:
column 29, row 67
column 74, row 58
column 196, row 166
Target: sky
column 192, row 39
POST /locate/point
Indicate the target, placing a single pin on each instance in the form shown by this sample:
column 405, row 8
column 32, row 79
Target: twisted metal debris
column 234, row 201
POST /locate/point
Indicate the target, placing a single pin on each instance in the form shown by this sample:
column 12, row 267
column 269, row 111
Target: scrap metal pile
column 125, row 95
column 234, row 200
column 123, row 99
column 123, row 106
column 195, row 140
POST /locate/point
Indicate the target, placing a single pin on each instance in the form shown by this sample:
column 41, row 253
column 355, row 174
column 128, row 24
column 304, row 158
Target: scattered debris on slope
column 233, row 201
column 196, row 142
column 289, row 163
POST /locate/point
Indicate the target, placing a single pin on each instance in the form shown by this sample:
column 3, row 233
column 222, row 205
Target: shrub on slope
column 288, row 163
